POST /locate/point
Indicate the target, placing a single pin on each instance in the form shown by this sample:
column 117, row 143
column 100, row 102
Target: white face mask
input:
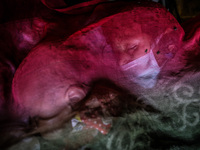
column 143, row 71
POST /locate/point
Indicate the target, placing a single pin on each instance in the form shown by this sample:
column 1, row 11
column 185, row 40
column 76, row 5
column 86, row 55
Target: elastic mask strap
column 164, row 63
column 168, row 56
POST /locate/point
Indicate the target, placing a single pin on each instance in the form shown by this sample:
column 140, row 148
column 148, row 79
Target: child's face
column 131, row 48
column 130, row 43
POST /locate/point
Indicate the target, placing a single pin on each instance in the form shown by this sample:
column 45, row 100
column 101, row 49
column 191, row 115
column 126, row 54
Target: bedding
column 167, row 118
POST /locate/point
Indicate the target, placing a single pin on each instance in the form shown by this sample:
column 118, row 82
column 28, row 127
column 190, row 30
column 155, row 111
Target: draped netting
column 70, row 92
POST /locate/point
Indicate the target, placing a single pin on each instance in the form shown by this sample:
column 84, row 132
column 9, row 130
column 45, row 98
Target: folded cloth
column 70, row 6
column 103, row 125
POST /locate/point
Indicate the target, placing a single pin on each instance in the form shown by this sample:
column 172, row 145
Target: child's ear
column 75, row 94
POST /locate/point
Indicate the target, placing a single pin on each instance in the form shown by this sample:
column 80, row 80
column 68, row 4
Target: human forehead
column 122, row 34
column 130, row 41
column 147, row 19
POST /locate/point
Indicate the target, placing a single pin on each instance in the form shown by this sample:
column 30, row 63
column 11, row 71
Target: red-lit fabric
column 191, row 44
column 97, row 124
column 61, row 6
